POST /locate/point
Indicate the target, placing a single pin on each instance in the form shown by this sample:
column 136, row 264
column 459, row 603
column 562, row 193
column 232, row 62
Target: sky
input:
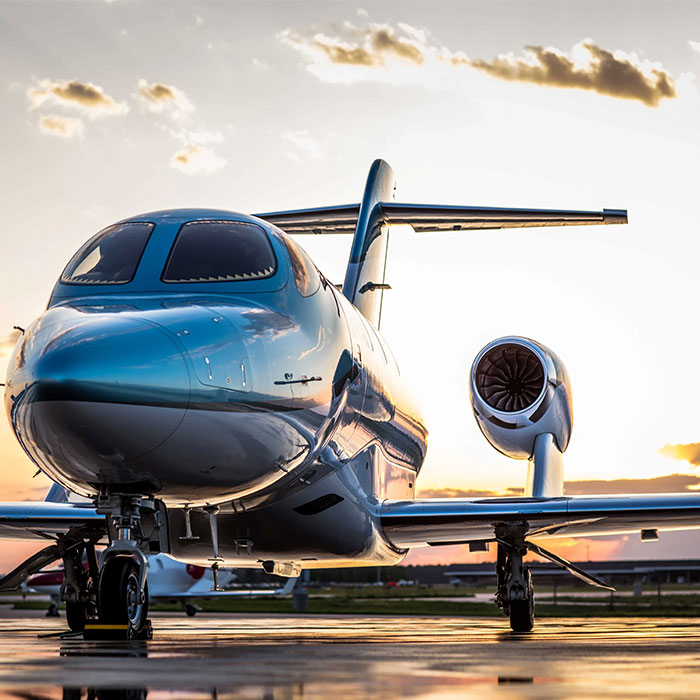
column 108, row 109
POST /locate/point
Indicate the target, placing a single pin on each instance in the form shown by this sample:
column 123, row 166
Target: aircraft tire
column 76, row 616
column 190, row 610
column 521, row 616
column 118, row 597
column 522, row 612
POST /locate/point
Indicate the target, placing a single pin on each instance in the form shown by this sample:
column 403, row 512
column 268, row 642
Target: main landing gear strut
column 515, row 594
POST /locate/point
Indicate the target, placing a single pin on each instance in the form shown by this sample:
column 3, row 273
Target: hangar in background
column 618, row 572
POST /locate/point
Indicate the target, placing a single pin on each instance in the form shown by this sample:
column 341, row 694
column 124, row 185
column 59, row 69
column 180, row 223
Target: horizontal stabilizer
column 340, row 219
column 430, row 217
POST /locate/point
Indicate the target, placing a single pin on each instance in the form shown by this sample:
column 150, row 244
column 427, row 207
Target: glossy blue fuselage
column 284, row 410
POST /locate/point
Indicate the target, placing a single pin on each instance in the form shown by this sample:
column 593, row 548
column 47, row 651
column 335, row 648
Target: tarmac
column 285, row 657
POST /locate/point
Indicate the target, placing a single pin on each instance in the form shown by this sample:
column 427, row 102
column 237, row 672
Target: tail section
column 365, row 275
column 365, row 282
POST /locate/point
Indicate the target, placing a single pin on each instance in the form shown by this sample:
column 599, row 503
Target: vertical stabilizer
column 364, row 278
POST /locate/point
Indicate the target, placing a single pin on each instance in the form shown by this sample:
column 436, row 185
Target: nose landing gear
column 136, row 525
column 122, row 599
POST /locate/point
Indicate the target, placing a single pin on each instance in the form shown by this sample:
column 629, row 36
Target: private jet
column 216, row 398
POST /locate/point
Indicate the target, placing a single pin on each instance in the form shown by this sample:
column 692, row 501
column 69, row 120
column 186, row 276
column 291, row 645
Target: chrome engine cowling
column 520, row 389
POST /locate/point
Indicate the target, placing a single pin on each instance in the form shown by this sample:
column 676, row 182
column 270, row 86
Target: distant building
column 620, row 572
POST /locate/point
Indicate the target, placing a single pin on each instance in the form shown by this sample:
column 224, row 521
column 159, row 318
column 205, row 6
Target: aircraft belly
column 320, row 526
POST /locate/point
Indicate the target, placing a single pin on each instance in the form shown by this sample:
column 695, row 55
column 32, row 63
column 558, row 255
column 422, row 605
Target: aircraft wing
column 433, row 522
column 433, row 217
column 30, row 520
column 44, row 520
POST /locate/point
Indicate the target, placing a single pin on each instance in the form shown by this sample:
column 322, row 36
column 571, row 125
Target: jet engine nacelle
column 521, row 396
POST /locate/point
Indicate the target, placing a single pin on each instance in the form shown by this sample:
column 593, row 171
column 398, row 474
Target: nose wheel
column 120, row 598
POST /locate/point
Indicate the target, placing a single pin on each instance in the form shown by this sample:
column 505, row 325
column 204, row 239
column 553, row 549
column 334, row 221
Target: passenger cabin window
column 111, row 257
column 305, row 273
column 220, row 251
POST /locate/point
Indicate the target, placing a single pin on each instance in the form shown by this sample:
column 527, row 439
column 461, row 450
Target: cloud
column 615, row 74
column 695, row 45
column 161, row 98
column 377, row 49
column 403, row 53
column 193, row 159
column 196, row 156
column 305, row 143
column 671, row 483
column 689, row 452
column 85, row 97
column 65, row 127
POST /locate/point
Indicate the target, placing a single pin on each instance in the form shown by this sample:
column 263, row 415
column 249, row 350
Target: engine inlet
column 509, row 377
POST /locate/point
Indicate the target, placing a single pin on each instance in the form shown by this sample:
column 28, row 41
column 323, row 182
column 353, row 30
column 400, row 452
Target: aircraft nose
column 98, row 392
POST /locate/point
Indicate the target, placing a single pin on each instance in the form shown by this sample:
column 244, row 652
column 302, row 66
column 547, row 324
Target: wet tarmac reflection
column 287, row 657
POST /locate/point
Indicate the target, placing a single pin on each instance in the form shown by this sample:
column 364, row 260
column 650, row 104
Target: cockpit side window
column 111, row 257
column 220, row 251
column 305, row 273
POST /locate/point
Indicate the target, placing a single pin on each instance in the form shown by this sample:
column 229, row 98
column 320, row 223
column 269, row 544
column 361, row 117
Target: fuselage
column 169, row 364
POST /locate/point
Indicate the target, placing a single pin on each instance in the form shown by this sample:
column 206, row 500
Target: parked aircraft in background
column 216, row 398
column 169, row 581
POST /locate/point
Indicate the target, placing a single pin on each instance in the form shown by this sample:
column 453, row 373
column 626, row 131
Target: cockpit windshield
column 111, row 257
column 220, row 251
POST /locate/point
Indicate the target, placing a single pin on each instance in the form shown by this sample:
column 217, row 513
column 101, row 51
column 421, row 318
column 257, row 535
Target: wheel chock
column 99, row 630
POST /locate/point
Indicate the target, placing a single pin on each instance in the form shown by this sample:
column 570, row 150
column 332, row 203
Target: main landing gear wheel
column 76, row 616
column 522, row 612
column 120, row 600
column 515, row 594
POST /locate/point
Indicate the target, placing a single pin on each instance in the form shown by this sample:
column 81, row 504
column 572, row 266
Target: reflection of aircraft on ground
column 169, row 581
column 218, row 399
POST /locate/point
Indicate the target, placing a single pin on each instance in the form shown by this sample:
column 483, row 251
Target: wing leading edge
column 432, row 522
column 44, row 519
